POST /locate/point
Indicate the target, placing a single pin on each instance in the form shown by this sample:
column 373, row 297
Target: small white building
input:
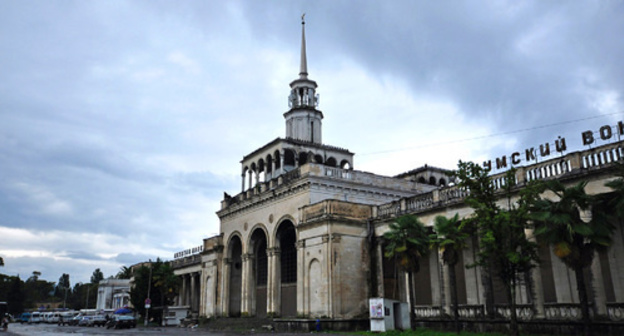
column 113, row 294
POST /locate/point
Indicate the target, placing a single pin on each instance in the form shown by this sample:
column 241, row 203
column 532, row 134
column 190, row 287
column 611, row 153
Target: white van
column 35, row 317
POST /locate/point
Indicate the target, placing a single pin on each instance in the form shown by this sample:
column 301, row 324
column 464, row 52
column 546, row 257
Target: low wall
column 307, row 325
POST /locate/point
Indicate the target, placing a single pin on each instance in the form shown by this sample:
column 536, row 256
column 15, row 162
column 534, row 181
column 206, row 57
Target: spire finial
column 303, row 69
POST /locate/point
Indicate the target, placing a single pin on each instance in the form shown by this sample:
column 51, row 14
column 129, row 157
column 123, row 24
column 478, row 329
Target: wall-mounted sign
column 188, row 252
column 605, row 133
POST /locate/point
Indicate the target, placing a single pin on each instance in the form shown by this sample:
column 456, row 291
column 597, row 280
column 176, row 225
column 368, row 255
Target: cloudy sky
column 123, row 122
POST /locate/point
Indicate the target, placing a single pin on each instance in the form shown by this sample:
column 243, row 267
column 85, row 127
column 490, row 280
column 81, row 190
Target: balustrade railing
column 524, row 312
column 427, row 311
column 389, row 209
column 471, row 311
column 419, row 202
column 562, row 311
column 615, row 311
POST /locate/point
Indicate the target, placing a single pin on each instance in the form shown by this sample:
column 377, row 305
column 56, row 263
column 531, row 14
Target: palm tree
column 125, row 272
column 450, row 239
column 407, row 241
column 574, row 240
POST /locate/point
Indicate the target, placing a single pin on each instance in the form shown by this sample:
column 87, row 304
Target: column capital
column 300, row 244
column 248, row 256
column 227, row 261
column 273, row 251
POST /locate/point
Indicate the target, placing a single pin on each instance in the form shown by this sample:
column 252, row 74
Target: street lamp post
column 149, row 287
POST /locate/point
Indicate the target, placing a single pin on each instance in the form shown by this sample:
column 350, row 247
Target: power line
column 489, row 135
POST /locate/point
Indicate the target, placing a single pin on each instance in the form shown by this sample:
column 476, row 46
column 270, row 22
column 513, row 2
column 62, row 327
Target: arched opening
column 289, row 159
column 259, row 272
column 261, row 171
column 318, row 158
column 432, row 180
column 442, row 182
column 287, row 237
column 344, row 164
column 236, row 276
column 269, row 167
column 422, row 180
column 277, row 157
column 303, row 158
column 331, row 162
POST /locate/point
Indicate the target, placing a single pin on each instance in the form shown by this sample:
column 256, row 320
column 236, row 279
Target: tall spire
column 303, row 120
column 303, row 69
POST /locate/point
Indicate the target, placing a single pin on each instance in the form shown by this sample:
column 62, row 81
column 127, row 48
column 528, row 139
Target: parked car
column 65, row 318
column 24, row 318
column 76, row 320
column 96, row 321
column 84, row 321
column 121, row 321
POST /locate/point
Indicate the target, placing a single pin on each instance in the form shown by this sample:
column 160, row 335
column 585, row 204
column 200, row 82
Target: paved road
column 16, row 329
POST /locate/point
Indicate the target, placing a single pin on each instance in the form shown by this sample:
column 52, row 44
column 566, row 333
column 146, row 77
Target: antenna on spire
column 303, row 18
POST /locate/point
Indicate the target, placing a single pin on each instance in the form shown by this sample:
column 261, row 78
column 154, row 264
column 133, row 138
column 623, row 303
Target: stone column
column 225, row 287
column 250, row 178
column 243, row 182
column 281, row 162
column 273, row 280
column 300, row 246
column 183, row 292
column 247, row 279
column 192, row 296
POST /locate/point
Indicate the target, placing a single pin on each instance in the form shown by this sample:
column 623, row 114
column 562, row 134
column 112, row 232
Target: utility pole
column 149, row 287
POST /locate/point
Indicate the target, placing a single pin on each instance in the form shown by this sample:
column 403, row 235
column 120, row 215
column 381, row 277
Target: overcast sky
column 123, row 122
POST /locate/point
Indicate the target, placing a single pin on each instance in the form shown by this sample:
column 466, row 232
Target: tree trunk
column 454, row 308
column 410, row 280
column 582, row 292
column 513, row 318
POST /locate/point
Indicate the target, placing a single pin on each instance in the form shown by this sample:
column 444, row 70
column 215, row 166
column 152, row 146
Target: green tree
column 574, row 238
column 97, row 276
column 62, row 287
column 1, row 261
column 407, row 241
column 163, row 287
column 504, row 249
column 450, row 237
column 482, row 200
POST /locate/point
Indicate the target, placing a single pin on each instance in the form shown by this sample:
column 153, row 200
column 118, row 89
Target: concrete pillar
column 243, row 182
column 616, row 262
column 538, row 285
column 379, row 271
column 273, row 282
column 597, row 284
column 565, row 280
column 434, row 275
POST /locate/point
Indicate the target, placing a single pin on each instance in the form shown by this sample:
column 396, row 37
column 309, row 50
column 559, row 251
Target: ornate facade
column 302, row 238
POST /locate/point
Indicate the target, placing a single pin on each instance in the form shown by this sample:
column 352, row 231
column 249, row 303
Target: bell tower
column 303, row 120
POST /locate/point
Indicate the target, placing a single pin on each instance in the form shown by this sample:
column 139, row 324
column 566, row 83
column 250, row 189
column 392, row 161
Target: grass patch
column 427, row 332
